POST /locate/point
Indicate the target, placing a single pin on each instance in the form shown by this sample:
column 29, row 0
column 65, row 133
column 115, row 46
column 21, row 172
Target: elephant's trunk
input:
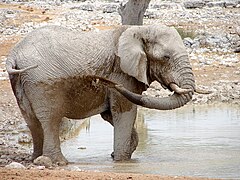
column 165, row 103
column 180, row 97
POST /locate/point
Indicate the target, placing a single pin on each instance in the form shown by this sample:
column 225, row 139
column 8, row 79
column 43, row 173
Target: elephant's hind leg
column 107, row 116
column 37, row 134
column 50, row 122
column 33, row 124
column 49, row 114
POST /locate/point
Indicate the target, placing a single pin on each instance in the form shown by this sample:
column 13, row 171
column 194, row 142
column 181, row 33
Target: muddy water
column 201, row 141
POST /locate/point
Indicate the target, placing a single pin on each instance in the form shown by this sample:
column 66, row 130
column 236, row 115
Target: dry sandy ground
column 8, row 103
column 16, row 174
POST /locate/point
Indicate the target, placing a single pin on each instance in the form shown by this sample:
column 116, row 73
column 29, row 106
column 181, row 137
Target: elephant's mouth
column 166, row 87
column 174, row 87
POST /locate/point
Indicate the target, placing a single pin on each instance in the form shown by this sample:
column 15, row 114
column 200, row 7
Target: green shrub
column 186, row 33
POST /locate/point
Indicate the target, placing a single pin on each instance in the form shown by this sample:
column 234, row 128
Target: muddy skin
column 76, row 91
column 75, row 94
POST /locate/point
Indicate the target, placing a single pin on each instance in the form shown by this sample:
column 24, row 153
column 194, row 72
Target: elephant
column 56, row 72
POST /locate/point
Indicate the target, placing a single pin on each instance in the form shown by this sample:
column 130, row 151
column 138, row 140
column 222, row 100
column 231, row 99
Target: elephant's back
column 60, row 52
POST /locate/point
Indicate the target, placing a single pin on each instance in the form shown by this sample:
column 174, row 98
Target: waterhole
column 202, row 141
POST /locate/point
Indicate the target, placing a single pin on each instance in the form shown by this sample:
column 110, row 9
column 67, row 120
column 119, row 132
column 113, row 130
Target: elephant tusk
column 179, row 90
column 201, row 91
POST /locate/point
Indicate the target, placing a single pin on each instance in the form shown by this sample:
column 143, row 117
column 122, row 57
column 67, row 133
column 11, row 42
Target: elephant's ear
column 133, row 60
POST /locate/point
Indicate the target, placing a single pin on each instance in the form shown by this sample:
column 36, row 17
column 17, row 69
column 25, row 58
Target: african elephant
column 53, row 69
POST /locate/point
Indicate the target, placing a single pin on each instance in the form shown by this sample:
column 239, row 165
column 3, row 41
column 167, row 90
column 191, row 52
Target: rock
column 2, row 142
column 15, row 165
column 3, row 75
column 110, row 8
column 40, row 167
column 237, row 72
column 155, row 85
column 237, row 50
column 157, row 6
column 216, row 4
column 188, row 42
column 231, row 3
column 43, row 161
column 87, row 7
column 194, row 4
column 24, row 138
column 3, row 161
column 156, row 90
column 166, row 5
column 212, row 40
column 151, row 14
column 74, row 168
column 221, row 41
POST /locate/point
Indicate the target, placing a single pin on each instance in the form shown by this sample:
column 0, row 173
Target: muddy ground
column 11, row 121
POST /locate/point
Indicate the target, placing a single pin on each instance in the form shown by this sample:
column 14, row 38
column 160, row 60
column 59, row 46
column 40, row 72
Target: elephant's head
column 151, row 53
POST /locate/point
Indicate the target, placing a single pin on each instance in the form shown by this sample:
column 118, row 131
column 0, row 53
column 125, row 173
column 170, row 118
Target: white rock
column 43, row 161
column 15, row 165
column 74, row 168
column 40, row 167
column 194, row 4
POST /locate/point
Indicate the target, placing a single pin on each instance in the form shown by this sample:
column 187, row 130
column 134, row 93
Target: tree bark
column 132, row 12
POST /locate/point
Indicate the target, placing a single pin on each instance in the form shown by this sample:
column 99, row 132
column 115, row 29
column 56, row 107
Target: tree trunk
column 132, row 12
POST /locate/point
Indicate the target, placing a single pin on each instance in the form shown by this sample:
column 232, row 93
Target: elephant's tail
column 11, row 67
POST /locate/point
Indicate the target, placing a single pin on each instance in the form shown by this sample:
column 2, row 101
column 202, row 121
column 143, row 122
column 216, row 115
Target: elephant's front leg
column 51, row 144
column 125, row 136
column 107, row 115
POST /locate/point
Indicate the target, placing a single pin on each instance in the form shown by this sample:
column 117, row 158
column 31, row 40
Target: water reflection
column 199, row 141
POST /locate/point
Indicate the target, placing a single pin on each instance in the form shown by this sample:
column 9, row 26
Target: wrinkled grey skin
column 52, row 74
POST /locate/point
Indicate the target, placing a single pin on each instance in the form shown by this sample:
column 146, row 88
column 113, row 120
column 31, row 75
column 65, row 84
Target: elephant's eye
column 166, row 58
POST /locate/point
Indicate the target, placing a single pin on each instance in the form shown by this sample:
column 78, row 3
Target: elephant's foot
column 62, row 162
column 46, row 161
column 57, row 159
column 121, row 156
